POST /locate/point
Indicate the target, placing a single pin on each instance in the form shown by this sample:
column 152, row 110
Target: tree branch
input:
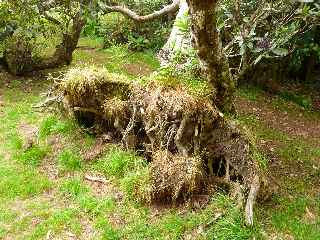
column 51, row 19
column 134, row 16
column 43, row 7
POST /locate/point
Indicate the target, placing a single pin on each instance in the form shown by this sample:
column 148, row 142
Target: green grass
column 116, row 163
column 73, row 188
column 297, row 216
column 301, row 100
column 250, row 92
column 21, row 181
column 53, row 125
column 32, row 156
column 69, row 161
column 116, row 58
column 94, row 206
column 57, row 222
column 93, row 42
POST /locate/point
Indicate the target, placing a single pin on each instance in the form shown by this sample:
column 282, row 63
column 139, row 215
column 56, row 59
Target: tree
column 68, row 17
column 209, row 48
column 192, row 128
column 214, row 64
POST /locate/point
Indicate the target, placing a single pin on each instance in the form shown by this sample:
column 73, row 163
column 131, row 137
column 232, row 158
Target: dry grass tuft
column 115, row 107
column 174, row 176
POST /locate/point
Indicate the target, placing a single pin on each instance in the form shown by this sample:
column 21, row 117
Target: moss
column 79, row 80
column 173, row 78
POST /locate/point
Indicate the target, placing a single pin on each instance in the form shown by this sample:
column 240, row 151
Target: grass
column 301, row 100
column 53, row 125
column 69, row 161
column 34, row 205
column 250, row 92
column 20, row 181
column 117, row 163
column 33, row 155
column 73, row 188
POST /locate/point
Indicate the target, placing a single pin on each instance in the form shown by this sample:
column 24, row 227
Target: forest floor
column 54, row 186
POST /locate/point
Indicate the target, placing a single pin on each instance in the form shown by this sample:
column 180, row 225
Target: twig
column 95, row 179
column 130, row 125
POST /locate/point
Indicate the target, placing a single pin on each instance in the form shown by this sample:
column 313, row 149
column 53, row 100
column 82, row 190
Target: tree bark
column 178, row 40
column 207, row 42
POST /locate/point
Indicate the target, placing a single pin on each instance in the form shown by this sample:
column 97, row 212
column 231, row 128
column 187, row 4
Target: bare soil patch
column 138, row 69
column 294, row 125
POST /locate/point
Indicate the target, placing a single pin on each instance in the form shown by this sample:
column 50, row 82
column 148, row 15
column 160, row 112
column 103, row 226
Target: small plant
column 183, row 24
column 138, row 43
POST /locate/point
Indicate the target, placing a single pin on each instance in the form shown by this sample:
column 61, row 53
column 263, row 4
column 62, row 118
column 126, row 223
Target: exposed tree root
column 186, row 138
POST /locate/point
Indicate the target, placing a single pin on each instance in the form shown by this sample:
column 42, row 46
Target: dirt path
column 294, row 124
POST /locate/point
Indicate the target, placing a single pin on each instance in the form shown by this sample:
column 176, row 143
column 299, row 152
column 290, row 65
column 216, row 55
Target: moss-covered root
column 185, row 137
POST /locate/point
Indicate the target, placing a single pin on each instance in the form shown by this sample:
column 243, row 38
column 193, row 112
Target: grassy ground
column 50, row 190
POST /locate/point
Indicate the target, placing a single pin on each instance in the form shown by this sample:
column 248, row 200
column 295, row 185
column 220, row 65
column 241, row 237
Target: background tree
column 42, row 20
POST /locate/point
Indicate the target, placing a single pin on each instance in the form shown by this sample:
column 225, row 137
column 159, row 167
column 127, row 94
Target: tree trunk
column 178, row 40
column 207, row 42
column 63, row 54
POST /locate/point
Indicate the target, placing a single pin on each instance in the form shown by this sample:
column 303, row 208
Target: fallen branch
column 95, row 179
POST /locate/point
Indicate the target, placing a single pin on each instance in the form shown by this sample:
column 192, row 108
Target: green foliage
column 108, row 231
column 73, row 188
column 309, row 49
column 291, row 216
column 59, row 220
column 172, row 77
column 255, row 34
column 53, row 125
column 94, row 207
column 136, row 185
column 118, row 29
column 301, row 100
column 250, row 92
column 20, row 181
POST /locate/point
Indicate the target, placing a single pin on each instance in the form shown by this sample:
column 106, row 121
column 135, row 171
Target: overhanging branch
column 173, row 7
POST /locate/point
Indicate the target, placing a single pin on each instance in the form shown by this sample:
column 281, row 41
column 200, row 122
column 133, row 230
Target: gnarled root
column 253, row 192
column 187, row 140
